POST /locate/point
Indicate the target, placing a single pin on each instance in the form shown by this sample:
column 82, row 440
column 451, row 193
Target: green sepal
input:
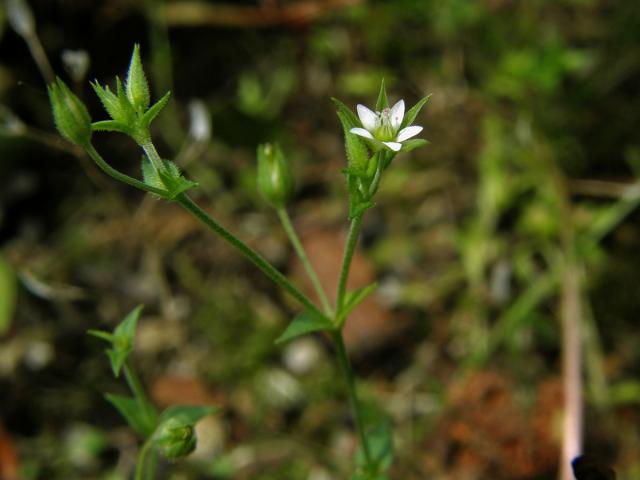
column 274, row 178
column 117, row 105
column 70, row 115
column 111, row 126
column 352, row 300
column 355, row 172
column 107, row 98
column 175, row 435
column 188, row 413
column 140, row 416
column 150, row 115
column 303, row 324
column 414, row 143
column 383, row 101
column 122, row 340
column 412, row 113
column 136, row 86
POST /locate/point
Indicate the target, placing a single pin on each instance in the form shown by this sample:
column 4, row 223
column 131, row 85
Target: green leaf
column 111, row 126
column 353, row 299
column 121, row 340
column 155, row 109
column 414, row 143
column 351, row 119
column 411, row 115
column 303, row 324
column 136, row 86
column 380, row 442
column 8, row 295
column 135, row 413
column 107, row 337
column 173, row 180
column 188, row 414
column 150, row 174
column 382, row 101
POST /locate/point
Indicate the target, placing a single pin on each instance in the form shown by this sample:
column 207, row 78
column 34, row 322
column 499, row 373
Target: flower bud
column 69, row 114
column 275, row 181
column 175, row 438
column 137, row 87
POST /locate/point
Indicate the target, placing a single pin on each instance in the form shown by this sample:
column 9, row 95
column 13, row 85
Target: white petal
column 362, row 132
column 395, row 146
column 408, row 132
column 397, row 114
column 367, row 117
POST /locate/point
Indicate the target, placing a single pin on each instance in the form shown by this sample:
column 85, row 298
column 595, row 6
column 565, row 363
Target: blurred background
column 525, row 201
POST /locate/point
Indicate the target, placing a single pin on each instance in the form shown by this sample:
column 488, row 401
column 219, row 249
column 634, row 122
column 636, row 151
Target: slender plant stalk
column 134, row 382
column 571, row 368
column 142, row 457
column 347, row 373
column 343, row 358
column 297, row 246
column 350, row 248
column 109, row 170
column 275, row 275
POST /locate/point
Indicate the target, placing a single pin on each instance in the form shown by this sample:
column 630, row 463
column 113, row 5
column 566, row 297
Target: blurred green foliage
column 536, row 106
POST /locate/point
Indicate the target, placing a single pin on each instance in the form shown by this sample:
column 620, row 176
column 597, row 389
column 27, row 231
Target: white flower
column 384, row 127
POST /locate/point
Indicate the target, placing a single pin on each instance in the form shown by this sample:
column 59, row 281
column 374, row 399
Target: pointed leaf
column 350, row 117
column 414, row 143
column 110, row 126
column 380, row 442
column 382, row 101
column 173, row 181
column 155, row 109
column 134, row 412
column 353, row 299
column 357, row 152
column 411, row 115
column 303, row 324
column 150, row 174
column 136, row 85
column 188, row 414
column 123, row 340
column 106, row 336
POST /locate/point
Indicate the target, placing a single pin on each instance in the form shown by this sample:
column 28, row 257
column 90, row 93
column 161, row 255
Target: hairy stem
column 248, row 252
column 350, row 248
column 297, row 246
column 347, row 372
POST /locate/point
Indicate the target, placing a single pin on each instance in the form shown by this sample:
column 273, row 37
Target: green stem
column 347, row 372
column 142, row 456
column 352, row 240
column 134, row 382
column 152, row 154
column 138, row 392
column 118, row 175
column 186, row 202
column 375, row 183
column 297, row 246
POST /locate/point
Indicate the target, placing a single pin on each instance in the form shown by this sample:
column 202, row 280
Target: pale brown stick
column 267, row 15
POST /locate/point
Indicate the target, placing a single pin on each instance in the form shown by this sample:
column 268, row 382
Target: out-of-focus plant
column 170, row 433
column 373, row 138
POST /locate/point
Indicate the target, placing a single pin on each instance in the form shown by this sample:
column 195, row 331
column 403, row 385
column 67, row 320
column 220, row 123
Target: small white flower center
column 384, row 129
